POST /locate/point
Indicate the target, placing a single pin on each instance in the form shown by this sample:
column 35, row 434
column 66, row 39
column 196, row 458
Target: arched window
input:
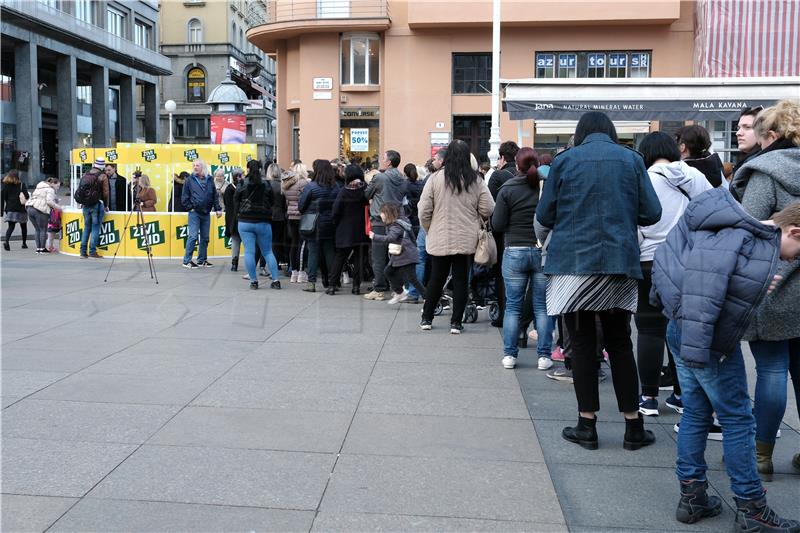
column 195, row 31
column 233, row 33
column 241, row 39
column 196, row 85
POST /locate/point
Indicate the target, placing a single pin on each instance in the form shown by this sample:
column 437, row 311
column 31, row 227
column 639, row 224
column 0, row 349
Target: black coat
column 324, row 198
column 349, row 215
column 499, row 177
column 278, row 201
column 412, row 194
column 177, row 192
column 258, row 208
column 10, row 198
column 231, row 223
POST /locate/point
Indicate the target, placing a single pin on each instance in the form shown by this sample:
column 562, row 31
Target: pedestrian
column 675, row 183
column 388, row 185
column 199, row 197
column 177, row 191
column 253, row 203
column 693, row 143
column 351, row 236
column 39, row 205
column 117, row 188
column 54, row 229
column 14, row 197
column 451, row 208
column 147, row 195
column 747, row 144
column 403, row 252
column 91, row 194
column 513, row 218
column 292, row 184
column 318, row 197
column 593, row 266
column 231, row 223
column 769, row 183
column 710, row 274
column 278, row 220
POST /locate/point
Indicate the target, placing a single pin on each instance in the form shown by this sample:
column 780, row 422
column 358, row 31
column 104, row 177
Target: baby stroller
column 484, row 290
column 446, row 301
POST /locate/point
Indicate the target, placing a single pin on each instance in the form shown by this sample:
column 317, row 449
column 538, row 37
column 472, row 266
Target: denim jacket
column 595, row 198
column 200, row 199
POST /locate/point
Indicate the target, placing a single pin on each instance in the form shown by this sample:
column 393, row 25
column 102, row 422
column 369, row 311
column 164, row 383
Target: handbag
column 308, row 220
column 22, row 198
column 395, row 248
column 486, row 251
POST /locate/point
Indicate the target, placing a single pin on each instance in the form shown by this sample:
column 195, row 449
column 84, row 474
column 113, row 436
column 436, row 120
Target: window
column 597, row 65
column 115, row 22
column 360, row 60
column 567, row 65
column 472, row 73
column 640, row 65
column 50, row 3
column 84, row 10
column 333, row 9
column 142, row 34
column 196, row 127
column 195, row 32
column 196, row 85
column 545, row 65
column 618, row 65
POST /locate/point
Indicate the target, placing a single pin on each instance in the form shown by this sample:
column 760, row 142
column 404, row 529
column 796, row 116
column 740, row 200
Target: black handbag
column 308, row 221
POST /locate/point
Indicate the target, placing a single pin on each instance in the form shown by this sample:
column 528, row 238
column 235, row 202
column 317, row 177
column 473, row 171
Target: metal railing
column 295, row 10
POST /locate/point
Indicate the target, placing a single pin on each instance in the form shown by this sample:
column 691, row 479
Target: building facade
column 73, row 74
column 206, row 41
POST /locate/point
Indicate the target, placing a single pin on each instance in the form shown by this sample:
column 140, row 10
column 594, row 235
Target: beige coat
column 451, row 220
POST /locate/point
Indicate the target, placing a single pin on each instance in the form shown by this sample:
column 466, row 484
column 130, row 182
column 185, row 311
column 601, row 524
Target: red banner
column 228, row 129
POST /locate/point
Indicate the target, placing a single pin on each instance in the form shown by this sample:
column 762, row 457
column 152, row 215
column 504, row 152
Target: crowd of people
column 701, row 256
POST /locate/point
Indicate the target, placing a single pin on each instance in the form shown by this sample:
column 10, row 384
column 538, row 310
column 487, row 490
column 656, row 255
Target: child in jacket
column 710, row 274
column 403, row 261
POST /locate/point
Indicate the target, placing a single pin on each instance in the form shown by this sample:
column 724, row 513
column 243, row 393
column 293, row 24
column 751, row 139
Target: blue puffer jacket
column 711, row 273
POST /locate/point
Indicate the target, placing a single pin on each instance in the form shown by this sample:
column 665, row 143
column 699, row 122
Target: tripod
column 137, row 210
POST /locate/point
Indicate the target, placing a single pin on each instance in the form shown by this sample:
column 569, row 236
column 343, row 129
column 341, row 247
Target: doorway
column 474, row 131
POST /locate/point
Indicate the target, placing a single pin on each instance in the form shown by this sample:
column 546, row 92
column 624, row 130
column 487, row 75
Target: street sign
column 323, row 84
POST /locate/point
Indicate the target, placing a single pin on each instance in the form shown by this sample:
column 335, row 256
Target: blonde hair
column 783, row 118
column 144, row 180
column 301, row 170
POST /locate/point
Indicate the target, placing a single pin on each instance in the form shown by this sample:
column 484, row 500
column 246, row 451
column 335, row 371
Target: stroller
column 482, row 293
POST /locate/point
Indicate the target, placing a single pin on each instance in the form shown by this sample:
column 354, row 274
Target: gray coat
column 773, row 182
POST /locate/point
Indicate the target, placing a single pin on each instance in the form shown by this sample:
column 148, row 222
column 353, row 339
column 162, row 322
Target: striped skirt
column 567, row 293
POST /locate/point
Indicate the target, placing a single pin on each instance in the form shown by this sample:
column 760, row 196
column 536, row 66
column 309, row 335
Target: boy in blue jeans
column 710, row 274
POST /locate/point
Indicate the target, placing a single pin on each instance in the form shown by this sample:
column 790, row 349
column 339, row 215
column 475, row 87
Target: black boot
column 234, row 264
column 695, row 503
column 584, row 434
column 522, row 339
column 636, row 436
column 331, row 290
column 757, row 517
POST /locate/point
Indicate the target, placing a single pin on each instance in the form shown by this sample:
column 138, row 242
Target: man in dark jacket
column 198, row 197
column 116, row 189
column 709, row 275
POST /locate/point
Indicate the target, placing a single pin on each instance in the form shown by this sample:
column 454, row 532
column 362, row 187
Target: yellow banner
column 153, row 231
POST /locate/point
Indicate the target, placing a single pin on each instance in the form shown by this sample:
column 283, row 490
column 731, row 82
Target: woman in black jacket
column 253, row 203
column 351, row 235
column 12, row 208
column 318, row 197
column 694, row 142
column 231, row 224
column 415, row 186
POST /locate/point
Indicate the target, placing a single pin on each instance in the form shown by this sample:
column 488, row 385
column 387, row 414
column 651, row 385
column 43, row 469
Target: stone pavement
column 199, row 405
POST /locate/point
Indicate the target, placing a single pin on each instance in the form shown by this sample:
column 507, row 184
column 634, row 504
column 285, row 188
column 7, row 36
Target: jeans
column 423, row 258
column 521, row 268
column 399, row 276
column 326, row 249
column 720, row 387
column 261, row 233
column 92, row 218
column 40, row 220
column 380, row 257
column 441, row 266
column 772, row 368
column 197, row 224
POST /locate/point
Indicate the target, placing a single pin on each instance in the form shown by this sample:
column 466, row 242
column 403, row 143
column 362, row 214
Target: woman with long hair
column 693, row 143
column 451, row 207
column 292, row 184
column 278, row 222
column 147, row 194
column 318, row 197
column 12, row 207
column 594, row 211
column 39, row 205
column 351, row 235
column 254, row 210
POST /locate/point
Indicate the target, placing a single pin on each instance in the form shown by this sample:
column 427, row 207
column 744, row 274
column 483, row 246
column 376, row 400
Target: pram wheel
column 471, row 313
column 438, row 309
column 494, row 311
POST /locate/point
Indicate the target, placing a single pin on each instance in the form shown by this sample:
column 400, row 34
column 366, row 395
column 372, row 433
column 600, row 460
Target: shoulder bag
column 308, row 220
column 486, row 251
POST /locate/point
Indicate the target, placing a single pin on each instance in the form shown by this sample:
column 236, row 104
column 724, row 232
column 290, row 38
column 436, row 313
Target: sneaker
column 673, row 402
column 263, row 272
column 205, row 264
column 275, row 284
column 346, row 278
column 190, row 264
column 302, row 277
column 425, row 325
column 509, row 361
column 601, row 375
column 605, row 356
column 246, row 276
column 93, row 256
column 254, row 285
column 456, row 329
column 648, row 406
column 397, row 298
column 557, row 355
column 666, row 381
column 374, row 295
column 533, row 336
column 295, row 275
column 715, row 433
column 561, row 374
column 545, row 363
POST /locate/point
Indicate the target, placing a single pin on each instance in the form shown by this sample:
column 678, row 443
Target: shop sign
column 359, row 139
column 323, row 95
column 323, row 84
column 357, row 113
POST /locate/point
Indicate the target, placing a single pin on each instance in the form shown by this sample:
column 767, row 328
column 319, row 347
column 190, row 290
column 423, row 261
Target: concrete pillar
column 101, row 130
column 127, row 108
column 151, row 112
column 66, row 80
column 29, row 114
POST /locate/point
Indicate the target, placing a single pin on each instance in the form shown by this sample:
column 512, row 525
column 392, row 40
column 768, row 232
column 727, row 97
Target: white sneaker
column 509, row 362
column 295, row 275
column 302, row 277
column 374, row 295
column 346, row 278
column 545, row 363
column 397, row 298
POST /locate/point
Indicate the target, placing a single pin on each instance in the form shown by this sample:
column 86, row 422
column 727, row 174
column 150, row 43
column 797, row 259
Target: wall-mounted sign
column 439, row 125
column 359, row 139
column 360, row 112
column 323, row 95
column 323, row 84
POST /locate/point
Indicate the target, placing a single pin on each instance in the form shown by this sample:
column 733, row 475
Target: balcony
column 285, row 19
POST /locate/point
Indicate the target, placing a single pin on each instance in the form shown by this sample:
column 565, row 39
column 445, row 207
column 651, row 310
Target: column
column 127, row 108
column 151, row 112
column 101, row 131
column 28, row 112
column 66, row 80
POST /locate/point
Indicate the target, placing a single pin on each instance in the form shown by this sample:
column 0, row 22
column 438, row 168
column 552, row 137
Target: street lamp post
column 494, row 138
column 170, row 106
column 275, row 139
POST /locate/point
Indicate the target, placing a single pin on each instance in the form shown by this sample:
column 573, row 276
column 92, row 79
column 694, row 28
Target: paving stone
column 188, row 329
column 298, row 369
column 127, row 516
column 192, row 347
column 442, row 355
column 53, row 468
column 14, row 358
column 84, row 422
column 347, row 522
column 436, row 376
column 333, row 331
column 436, row 436
column 291, row 395
column 442, row 487
column 31, row 513
column 255, row 429
column 474, row 336
column 312, row 352
column 8, row 400
column 21, row 383
column 157, row 363
column 254, row 478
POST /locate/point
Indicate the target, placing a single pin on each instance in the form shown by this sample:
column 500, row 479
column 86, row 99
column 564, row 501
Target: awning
column 567, row 127
column 635, row 99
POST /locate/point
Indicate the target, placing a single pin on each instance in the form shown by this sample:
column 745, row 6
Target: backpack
column 88, row 192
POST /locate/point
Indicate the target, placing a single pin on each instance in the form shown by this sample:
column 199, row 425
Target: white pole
column 171, row 140
column 494, row 139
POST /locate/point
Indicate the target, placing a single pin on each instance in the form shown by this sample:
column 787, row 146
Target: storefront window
column 596, row 64
column 618, row 65
column 545, row 65
column 360, row 61
column 196, row 85
column 567, row 65
column 640, row 65
column 359, row 136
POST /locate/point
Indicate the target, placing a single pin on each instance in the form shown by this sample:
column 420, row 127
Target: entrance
column 359, row 135
column 474, row 131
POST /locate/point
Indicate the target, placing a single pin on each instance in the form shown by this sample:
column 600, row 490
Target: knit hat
column 100, row 163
